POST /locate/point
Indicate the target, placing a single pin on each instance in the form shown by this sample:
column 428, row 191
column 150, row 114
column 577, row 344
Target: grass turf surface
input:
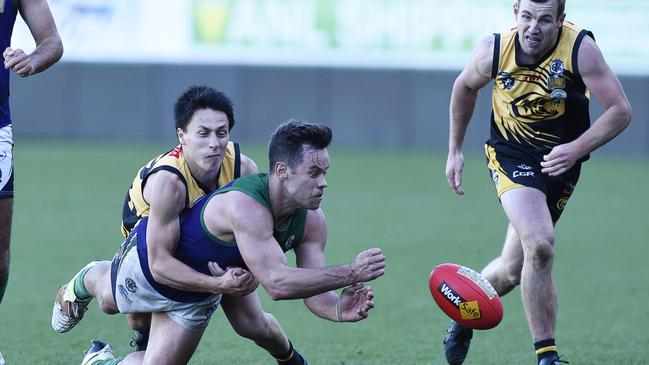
column 68, row 205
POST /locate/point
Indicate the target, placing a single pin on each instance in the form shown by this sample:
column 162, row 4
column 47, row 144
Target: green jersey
column 256, row 186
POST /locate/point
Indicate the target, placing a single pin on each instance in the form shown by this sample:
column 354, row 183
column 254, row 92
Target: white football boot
column 68, row 310
column 98, row 351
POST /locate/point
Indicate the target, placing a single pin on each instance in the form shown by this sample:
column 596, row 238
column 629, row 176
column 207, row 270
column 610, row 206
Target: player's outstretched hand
column 234, row 280
column 355, row 303
column 18, row 61
column 369, row 265
column 560, row 159
column 454, row 166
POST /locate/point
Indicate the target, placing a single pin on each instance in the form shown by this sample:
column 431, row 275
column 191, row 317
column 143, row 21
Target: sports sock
column 545, row 348
column 109, row 362
column 79, row 288
column 291, row 357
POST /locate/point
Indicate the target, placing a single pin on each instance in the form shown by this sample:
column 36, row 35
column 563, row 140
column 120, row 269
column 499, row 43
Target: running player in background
column 544, row 71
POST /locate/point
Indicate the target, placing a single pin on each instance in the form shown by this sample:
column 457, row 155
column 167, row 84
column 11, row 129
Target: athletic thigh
column 170, row 343
column 528, row 213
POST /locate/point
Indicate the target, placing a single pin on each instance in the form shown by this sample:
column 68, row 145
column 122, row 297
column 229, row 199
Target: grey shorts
column 6, row 163
column 134, row 294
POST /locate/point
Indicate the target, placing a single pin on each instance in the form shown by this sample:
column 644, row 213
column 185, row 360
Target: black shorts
column 509, row 172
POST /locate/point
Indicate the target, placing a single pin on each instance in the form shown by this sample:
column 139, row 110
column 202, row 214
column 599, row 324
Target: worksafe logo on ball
column 468, row 310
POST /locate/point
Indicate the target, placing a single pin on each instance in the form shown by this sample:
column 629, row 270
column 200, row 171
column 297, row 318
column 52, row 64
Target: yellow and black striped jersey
column 536, row 107
column 135, row 206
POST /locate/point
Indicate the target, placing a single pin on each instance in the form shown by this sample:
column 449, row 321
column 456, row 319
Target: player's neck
column 283, row 207
column 207, row 178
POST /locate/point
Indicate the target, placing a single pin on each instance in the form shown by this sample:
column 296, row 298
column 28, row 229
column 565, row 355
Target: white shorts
column 134, row 294
column 6, row 163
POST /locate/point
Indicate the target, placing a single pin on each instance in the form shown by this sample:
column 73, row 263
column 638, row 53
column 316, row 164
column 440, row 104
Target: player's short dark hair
column 560, row 10
column 201, row 97
column 289, row 140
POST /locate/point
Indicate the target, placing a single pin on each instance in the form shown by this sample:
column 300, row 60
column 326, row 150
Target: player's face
column 205, row 140
column 306, row 182
column 538, row 26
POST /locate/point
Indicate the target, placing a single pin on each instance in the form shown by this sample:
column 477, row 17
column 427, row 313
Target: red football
column 465, row 296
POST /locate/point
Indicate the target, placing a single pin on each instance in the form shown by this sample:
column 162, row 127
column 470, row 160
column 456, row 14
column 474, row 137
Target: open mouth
column 533, row 42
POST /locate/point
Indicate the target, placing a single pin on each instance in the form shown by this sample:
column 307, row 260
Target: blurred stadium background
column 380, row 73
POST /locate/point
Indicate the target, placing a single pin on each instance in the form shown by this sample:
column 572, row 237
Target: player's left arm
column 605, row 87
column 355, row 301
column 49, row 47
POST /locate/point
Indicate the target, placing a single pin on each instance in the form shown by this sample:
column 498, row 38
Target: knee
column 107, row 305
column 106, row 301
column 539, row 250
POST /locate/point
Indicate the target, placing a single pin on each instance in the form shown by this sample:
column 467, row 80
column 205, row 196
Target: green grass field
column 67, row 212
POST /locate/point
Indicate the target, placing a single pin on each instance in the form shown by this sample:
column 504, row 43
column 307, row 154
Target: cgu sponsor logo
column 523, row 174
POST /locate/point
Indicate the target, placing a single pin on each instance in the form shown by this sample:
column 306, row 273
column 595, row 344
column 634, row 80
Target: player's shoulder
column 316, row 223
column 482, row 57
column 164, row 184
column 248, row 166
column 239, row 211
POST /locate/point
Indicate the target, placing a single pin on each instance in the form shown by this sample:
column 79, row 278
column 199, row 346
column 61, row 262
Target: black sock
column 291, row 357
column 545, row 348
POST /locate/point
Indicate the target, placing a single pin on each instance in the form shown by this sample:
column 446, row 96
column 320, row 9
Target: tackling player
column 204, row 160
column 247, row 224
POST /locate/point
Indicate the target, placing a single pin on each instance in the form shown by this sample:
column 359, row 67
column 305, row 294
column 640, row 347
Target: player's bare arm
column 475, row 76
column 248, row 166
column 166, row 195
column 605, row 87
column 243, row 218
column 354, row 302
column 49, row 47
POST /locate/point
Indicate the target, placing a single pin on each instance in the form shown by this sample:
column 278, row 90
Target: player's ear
column 281, row 170
column 181, row 135
column 561, row 19
column 516, row 9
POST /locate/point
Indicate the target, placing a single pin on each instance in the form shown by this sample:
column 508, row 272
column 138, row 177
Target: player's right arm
column 475, row 76
column 166, row 196
column 49, row 48
column 252, row 226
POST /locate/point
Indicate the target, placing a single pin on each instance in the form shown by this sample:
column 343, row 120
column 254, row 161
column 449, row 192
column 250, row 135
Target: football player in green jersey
column 250, row 223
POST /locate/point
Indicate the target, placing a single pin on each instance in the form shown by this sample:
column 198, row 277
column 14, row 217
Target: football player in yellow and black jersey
column 204, row 160
column 544, row 72
column 174, row 162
